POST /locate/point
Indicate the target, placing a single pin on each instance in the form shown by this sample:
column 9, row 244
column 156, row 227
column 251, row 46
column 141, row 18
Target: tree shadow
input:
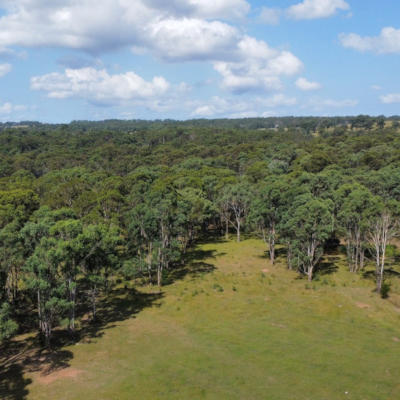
column 28, row 355
column 192, row 265
column 116, row 306
column 19, row 357
column 13, row 385
column 280, row 252
column 265, row 255
column 327, row 266
column 371, row 274
column 391, row 272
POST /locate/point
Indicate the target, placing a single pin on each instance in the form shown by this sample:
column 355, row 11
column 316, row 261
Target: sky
column 64, row 60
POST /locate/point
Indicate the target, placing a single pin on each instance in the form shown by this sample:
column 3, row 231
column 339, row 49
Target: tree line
column 80, row 210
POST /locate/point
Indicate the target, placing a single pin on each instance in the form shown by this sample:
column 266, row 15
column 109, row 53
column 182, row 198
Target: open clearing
column 231, row 327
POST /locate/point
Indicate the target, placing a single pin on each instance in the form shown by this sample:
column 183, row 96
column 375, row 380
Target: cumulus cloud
column 191, row 39
column 258, row 67
column 102, row 25
column 100, row 87
column 174, row 31
column 391, row 98
column 388, row 41
column 5, row 69
column 312, row 9
column 304, row 84
column 224, row 9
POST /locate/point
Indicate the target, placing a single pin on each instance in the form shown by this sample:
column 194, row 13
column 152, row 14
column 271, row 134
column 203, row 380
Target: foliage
column 86, row 204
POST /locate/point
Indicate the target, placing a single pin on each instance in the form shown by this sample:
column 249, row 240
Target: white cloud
column 211, row 9
column 304, row 84
column 233, row 108
column 5, row 69
column 258, row 67
column 102, row 25
column 376, row 87
column 387, row 42
column 98, row 86
column 174, row 31
column 391, row 98
column 191, row 39
column 312, row 9
column 270, row 16
column 8, row 108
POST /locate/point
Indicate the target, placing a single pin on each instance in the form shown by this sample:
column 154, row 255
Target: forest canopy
column 85, row 204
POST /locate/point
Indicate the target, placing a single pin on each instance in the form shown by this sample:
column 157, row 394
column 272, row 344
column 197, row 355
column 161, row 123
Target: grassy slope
column 267, row 335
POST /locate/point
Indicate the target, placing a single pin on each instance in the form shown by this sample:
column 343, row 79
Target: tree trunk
column 289, row 256
column 310, row 273
column 362, row 259
column 159, row 268
column 149, row 260
column 238, row 231
column 72, row 299
column 47, row 333
column 272, row 245
column 379, row 281
column 40, row 311
column 94, row 310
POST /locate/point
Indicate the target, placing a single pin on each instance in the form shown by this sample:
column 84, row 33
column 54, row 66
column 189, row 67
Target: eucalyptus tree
column 194, row 211
column 235, row 201
column 43, row 274
column 8, row 327
column 163, row 198
column 154, row 224
column 265, row 211
column 101, row 245
column 310, row 225
column 69, row 248
column 357, row 206
column 383, row 227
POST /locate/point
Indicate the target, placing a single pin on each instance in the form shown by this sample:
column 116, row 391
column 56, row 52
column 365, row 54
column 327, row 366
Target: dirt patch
column 265, row 270
column 46, row 379
column 278, row 325
column 396, row 339
column 363, row 305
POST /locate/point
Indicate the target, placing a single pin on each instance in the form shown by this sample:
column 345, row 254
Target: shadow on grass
column 327, row 266
column 21, row 356
column 193, row 265
column 28, row 355
column 13, row 385
column 389, row 272
column 116, row 306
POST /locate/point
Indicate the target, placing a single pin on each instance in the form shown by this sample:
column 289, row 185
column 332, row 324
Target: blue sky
column 62, row 60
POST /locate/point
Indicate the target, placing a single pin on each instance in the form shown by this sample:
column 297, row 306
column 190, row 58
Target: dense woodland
column 88, row 204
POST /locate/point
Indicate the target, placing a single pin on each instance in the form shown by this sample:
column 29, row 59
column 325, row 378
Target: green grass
column 244, row 330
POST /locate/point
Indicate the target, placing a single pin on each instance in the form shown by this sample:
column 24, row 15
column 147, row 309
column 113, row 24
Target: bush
column 385, row 290
column 218, row 287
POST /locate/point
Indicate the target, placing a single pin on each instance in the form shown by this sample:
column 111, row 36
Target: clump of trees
column 86, row 204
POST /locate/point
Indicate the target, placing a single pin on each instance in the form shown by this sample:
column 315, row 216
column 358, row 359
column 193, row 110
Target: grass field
column 231, row 326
